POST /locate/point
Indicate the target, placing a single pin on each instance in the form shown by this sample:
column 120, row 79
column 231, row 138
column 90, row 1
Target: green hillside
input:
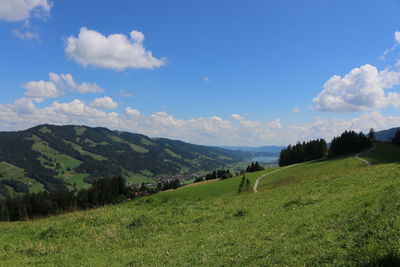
column 53, row 158
column 339, row 212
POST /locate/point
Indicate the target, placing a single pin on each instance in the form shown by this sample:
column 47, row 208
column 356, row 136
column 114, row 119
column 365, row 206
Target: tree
column 247, row 185
column 349, row 142
column 241, row 185
column 254, row 167
column 301, row 152
column 371, row 135
column 396, row 138
column 244, row 185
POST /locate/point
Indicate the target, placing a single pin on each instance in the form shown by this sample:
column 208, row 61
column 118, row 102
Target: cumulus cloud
column 25, row 10
column 41, row 90
column 237, row 117
column 104, row 102
column 296, row 110
column 214, row 130
column 57, row 85
column 131, row 112
column 115, row 51
column 19, row 10
column 361, row 89
column 66, row 82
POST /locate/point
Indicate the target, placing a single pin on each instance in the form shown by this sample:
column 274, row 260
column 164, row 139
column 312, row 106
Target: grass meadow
column 339, row 212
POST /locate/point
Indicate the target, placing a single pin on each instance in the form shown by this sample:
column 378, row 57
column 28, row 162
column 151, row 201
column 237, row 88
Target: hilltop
column 336, row 212
column 49, row 157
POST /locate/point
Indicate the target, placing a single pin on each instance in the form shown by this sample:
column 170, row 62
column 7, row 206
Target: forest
column 302, row 152
column 349, row 142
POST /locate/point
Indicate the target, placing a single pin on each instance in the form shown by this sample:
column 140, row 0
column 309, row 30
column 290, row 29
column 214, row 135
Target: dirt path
column 280, row 169
column 262, row 176
column 365, row 151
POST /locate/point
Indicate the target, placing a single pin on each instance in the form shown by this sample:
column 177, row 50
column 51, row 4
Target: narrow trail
column 280, row 169
column 262, row 176
column 365, row 151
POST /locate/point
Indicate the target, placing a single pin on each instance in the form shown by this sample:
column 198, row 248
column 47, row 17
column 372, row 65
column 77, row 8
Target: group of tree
column 167, row 185
column 222, row 174
column 33, row 205
column 349, row 142
column 254, row 167
column 396, row 138
column 301, row 152
column 244, row 185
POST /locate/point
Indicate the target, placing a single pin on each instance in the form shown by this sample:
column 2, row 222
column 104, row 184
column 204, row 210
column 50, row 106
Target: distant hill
column 267, row 150
column 52, row 158
column 386, row 135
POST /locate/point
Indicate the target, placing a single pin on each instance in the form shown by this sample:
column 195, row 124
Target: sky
column 208, row 72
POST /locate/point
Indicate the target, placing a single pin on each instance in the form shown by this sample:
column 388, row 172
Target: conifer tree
column 396, row 138
column 248, row 185
column 241, row 185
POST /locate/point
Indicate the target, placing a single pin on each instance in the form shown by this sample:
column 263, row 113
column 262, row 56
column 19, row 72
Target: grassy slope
column 383, row 153
column 11, row 172
column 336, row 212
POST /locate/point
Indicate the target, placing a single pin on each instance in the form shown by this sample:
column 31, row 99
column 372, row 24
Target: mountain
column 386, row 135
column 52, row 158
column 267, row 150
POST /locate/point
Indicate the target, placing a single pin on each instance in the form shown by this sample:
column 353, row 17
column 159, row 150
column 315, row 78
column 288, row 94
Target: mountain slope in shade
column 386, row 135
column 62, row 157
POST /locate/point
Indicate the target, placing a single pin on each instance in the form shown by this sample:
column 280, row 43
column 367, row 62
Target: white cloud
column 74, row 108
column 206, row 79
column 19, row 10
column 58, row 84
column 388, row 51
column 275, row 124
column 115, row 51
column 237, row 117
column 132, row 112
column 66, row 82
column 211, row 131
column 122, row 93
column 361, row 89
column 296, row 110
column 26, row 35
column 41, row 89
column 397, row 37
column 104, row 102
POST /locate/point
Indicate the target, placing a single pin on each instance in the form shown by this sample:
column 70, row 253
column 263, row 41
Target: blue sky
column 219, row 72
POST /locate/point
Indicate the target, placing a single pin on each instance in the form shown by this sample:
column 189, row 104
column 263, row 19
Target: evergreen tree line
column 170, row 184
column 254, row 167
column 396, row 138
column 349, row 142
column 301, row 152
column 33, row 205
column 102, row 192
column 222, row 174
column 244, row 185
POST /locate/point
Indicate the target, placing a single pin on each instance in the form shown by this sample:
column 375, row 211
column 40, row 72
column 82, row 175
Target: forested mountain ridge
column 60, row 157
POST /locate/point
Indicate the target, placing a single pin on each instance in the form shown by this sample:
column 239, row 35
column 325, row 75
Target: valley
column 51, row 158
